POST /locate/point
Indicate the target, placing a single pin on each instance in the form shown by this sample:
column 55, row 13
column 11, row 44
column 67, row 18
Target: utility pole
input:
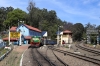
column 9, row 36
column 58, row 36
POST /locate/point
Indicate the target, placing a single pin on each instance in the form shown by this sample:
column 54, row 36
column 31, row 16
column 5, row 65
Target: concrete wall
column 67, row 38
column 24, row 30
column 27, row 32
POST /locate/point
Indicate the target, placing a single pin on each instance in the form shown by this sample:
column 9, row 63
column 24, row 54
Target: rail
column 87, row 49
column 89, row 59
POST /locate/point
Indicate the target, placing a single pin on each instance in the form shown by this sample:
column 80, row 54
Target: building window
column 19, row 30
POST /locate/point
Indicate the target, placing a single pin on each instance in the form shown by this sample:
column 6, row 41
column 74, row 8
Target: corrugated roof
column 13, row 28
column 32, row 28
column 29, row 27
column 67, row 31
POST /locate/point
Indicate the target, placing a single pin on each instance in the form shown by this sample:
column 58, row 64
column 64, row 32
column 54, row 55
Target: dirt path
column 13, row 59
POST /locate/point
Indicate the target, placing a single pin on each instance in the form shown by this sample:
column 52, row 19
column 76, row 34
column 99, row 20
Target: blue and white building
column 26, row 33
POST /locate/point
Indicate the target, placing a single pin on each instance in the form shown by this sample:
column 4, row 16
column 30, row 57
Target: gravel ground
column 82, row 52
column 28, row 59
column 91, row 46
column 13, row 59
column 71, row 61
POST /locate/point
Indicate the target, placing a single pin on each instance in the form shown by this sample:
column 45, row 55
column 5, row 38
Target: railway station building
column 65, row 36
column 26, row 32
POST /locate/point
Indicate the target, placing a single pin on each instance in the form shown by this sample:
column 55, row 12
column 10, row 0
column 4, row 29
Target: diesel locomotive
column 35, row 41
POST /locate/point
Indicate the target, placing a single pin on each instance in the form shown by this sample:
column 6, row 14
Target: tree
column 43, row 19
column 14, row 16
column 68, row 26
column 78, row 30
column 89, row 25
column 98, row 27
column 31, row 8
column 3, row 16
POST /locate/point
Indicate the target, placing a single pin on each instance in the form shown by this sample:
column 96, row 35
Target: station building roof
column 13, row 28
column 29, row 27
column 32, row 28
column 67, row 31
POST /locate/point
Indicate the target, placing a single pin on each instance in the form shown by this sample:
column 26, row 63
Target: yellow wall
column 67, row 38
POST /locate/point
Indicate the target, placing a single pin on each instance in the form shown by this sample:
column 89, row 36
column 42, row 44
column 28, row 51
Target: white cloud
column 78, row 11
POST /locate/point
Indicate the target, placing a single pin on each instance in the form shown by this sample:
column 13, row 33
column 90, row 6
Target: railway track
column 60, row 59
column 55, row 59
column 87, row 49
column 89, row 59
column 40, row 59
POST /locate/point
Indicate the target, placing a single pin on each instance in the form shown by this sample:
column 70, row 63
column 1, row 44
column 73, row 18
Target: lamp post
column 58, row 36
column 20, row 22
column 20, row 40
column 9, row 36
column 58, row 33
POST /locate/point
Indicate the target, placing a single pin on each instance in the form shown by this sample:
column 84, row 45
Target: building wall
column 67, row 38
column 34, row 33
column 24, row 30
column 27, row 32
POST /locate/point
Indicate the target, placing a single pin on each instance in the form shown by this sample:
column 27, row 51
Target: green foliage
column 89, row 25
column 93, row 38
column 43, row 19
column 3, row 51
column 84, row 36
column 78, row 30
column 68, row 25
column 14, row 16
column 3, row 16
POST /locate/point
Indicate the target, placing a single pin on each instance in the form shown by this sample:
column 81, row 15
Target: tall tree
column 89, row 25
column 43, row 19
column 78, row 30
column 68, row 26
column 31, row 9
column 3, row 16
column 14, row 16
column 98, row 27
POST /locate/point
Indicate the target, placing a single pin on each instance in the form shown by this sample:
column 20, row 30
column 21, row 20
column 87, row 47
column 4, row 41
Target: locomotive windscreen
column 36, row 39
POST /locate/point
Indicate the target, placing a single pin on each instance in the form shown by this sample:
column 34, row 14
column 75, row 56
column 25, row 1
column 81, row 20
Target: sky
column 74, row 11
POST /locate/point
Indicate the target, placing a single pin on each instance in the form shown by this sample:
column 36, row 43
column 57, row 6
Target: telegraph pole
column 9, row 36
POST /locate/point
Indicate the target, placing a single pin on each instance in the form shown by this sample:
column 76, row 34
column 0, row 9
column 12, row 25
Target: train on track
column 35, row 41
